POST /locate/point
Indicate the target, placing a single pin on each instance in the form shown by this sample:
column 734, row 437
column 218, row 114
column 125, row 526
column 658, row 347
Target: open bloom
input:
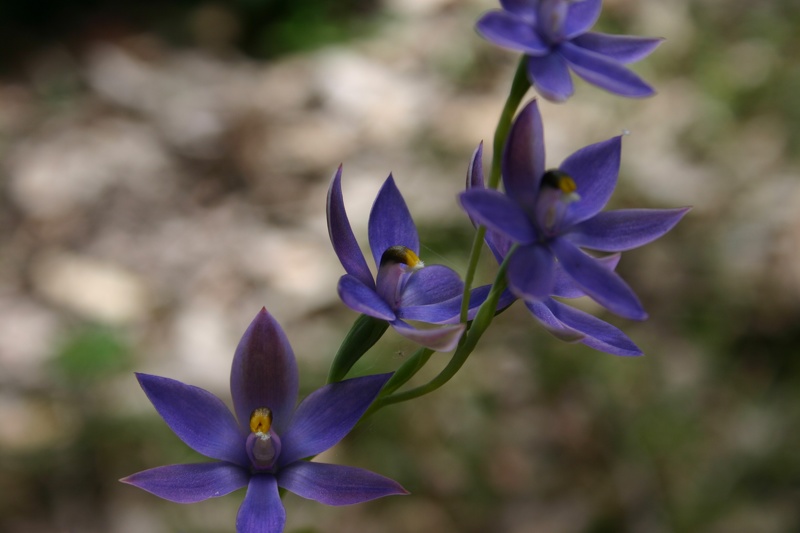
column 404, row 288
column 263, row 446
column 552, row 215
column 554, row 36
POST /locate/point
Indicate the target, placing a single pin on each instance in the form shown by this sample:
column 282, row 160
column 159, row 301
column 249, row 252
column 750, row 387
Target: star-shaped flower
column 263, row 446
column 554, row 36
column 404, row 288
column 552, row 215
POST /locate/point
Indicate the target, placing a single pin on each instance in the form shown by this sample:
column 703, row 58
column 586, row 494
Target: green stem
column 407, row 370
column 472, row 266
column 519, row 86
column 366, row 331
column 484, row 317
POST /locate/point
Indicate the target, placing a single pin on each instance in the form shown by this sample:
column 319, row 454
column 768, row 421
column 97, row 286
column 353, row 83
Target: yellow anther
column 261, row 420
column 566, row 184
column 401, row 254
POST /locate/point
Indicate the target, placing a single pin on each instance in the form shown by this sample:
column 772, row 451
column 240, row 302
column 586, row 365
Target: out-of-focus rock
column 95, row 289
column 72, row 165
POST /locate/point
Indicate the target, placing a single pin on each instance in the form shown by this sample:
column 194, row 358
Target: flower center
column 397, row 264
column 563, row 182
column 557, row 192
column 263, row 444
column 261, row 420
column 552, row 14
column 401, row 254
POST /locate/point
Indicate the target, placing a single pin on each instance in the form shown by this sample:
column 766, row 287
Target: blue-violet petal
column 326, row 415
column 523, row 156
column 390, row 222
column 499, row 213
column 341, row 234
column 594, row 169
column 550, row 77
column 622, row 48
column 190, row 483
column 264, row 372
column 362, row 299
column 262, row 510
column 624, row 229
column 531, row 272
column 508, row 31
column 443, row 339
column 336, row 484
column 581, row 16
column 603, row 286
column 197, row 417
column 604, row 72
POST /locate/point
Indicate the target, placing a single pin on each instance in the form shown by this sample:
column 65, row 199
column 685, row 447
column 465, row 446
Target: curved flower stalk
column 552, row 215
column 263, row 446
column 554, row 36
column 404, row 288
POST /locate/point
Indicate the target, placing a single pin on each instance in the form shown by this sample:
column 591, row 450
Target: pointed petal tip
column 335, row 179
column 263, row 318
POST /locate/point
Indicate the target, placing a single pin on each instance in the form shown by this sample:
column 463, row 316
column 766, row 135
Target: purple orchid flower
column 554, row 36
column 265, row 449
column 552, row 215
column 404, row 288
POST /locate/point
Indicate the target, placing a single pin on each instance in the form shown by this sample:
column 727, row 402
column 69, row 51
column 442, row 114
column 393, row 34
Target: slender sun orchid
column 404, row 288
column 265, row 448
column 554, row 36
column 552, row 215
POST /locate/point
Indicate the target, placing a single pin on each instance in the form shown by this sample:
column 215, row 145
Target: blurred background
column 163, row 174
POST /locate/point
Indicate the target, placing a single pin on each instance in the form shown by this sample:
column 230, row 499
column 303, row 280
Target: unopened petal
column 390, row 222
column 197, row 417
column 336, row 484
column 264, row 372
column 341, row 234
column 190, row 483
column 475, row 170
column 327, row 415
column 262, row 510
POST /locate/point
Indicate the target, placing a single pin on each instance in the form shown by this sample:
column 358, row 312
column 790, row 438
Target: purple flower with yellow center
column 554, row 36
column 404, row 288
column 551, row 215
column 264, row 445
